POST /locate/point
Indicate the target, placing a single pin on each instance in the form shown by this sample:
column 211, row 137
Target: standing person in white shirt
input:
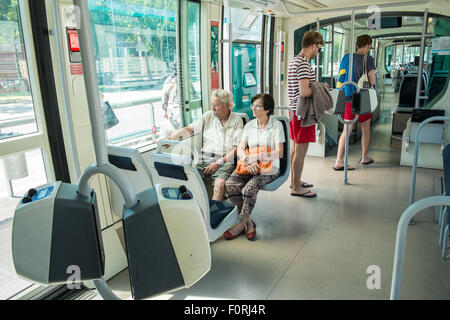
column 221, row 131
column 170, row 101
column 264, row 134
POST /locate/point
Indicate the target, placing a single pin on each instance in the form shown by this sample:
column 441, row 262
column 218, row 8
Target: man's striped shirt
column 299, row 68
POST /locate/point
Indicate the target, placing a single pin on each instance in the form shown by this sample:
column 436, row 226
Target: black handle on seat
column 356, row 102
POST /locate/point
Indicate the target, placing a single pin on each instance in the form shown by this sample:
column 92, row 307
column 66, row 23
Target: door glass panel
column 135, row 53
column 17, row 174
column 193, row 82
column 246, row 75
column 267, row 59
column 337, row 51
column 246, row 25
column 17, row 116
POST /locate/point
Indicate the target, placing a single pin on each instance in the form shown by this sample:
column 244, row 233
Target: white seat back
column 132, row 164
column 170, row 168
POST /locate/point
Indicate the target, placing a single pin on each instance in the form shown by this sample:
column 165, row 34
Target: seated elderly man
column 221, row 131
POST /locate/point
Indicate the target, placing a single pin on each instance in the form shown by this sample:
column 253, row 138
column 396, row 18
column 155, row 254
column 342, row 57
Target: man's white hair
column 224, row 96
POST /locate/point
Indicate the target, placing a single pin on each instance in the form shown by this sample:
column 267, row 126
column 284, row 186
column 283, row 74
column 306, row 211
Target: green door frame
column 189, row 106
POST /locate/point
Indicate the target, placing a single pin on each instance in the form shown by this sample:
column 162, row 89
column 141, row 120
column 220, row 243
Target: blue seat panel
column 218, row 211
column 446, row 160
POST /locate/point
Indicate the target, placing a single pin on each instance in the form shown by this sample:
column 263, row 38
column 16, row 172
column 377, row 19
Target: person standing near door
column 170, row 100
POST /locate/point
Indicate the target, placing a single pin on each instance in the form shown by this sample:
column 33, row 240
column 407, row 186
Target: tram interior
column 322, row 248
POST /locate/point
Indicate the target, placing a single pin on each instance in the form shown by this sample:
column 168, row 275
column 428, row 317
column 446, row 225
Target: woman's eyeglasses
column 256, row 106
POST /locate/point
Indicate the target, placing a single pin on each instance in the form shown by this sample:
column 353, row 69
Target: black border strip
column 48, row 89
column 271, row 45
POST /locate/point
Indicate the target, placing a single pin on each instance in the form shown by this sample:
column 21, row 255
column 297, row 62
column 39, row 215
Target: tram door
column 190, row 61
column 26, row 157
column 246, row 61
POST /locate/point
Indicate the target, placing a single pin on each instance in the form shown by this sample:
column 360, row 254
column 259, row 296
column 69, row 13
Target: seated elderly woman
column 259, row 154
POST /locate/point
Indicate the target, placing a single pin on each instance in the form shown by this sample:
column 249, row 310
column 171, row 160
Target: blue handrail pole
column 416, row 153
column 400, row 241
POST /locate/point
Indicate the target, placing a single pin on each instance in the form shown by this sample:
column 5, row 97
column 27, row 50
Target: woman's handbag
column 368, row 100
column 363, row 82
column 109, row 117
column 264, row 166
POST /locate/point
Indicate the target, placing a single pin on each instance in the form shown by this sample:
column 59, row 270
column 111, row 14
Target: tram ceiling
column 299, row 8
column 330, row 6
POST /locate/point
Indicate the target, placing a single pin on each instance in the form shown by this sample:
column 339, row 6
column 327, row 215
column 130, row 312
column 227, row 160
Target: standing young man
column 363, row 43
column 300, row 74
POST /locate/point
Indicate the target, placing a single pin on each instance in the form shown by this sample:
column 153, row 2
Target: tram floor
column 327, row 247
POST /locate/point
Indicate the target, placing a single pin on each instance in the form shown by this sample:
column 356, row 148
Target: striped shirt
column 299, row 68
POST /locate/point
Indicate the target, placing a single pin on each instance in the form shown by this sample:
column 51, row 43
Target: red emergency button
column 74, row 44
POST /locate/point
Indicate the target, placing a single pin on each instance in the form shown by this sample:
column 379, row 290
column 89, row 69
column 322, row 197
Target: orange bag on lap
column 264, row 166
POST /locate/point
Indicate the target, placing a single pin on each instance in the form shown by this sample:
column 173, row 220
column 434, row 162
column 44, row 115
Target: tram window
column 388, row 58
column 17, row 115
column 243, row 27
column 17, row 173
column 267, row 59
column 338, row 50
column 135, row 51
column 193, row 54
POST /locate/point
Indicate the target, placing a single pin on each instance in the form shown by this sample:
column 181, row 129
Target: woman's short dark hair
column 269, row 103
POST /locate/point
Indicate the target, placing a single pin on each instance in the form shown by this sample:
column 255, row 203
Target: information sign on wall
column 214, row 54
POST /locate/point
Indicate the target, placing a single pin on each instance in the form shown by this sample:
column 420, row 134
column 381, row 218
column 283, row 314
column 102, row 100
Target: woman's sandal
column 369, row 161
column 305, row 184
column 304, row 195
column 252, row 235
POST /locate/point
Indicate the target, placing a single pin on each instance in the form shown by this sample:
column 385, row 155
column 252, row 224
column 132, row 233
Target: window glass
column 246, row 25
column 135, row 52
column 267, row 59
column 388, row 57
column 17, row 173
column 17, row 116
column 194, row 84
column 337, row 51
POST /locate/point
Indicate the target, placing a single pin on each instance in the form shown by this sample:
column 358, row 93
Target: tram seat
column 179, row 169
column 437, row 84
column 244, row 116
column 432, row 132
column 133, row 165
column 338, row 97
column 285, row 162
column 407, row 96
column 446, row 223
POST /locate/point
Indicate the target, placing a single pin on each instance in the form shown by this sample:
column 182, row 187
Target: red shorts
column 350, row 116
column 301, row 134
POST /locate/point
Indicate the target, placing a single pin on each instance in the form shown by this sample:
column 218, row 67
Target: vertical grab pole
column 332, row 55
column 280, row 41
column 98, row 131
column 350, row 79
column 318, row 54
column 230, row 54
column 91, row 83
column 422, row 49
column 403, row 54
column 317, row 75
